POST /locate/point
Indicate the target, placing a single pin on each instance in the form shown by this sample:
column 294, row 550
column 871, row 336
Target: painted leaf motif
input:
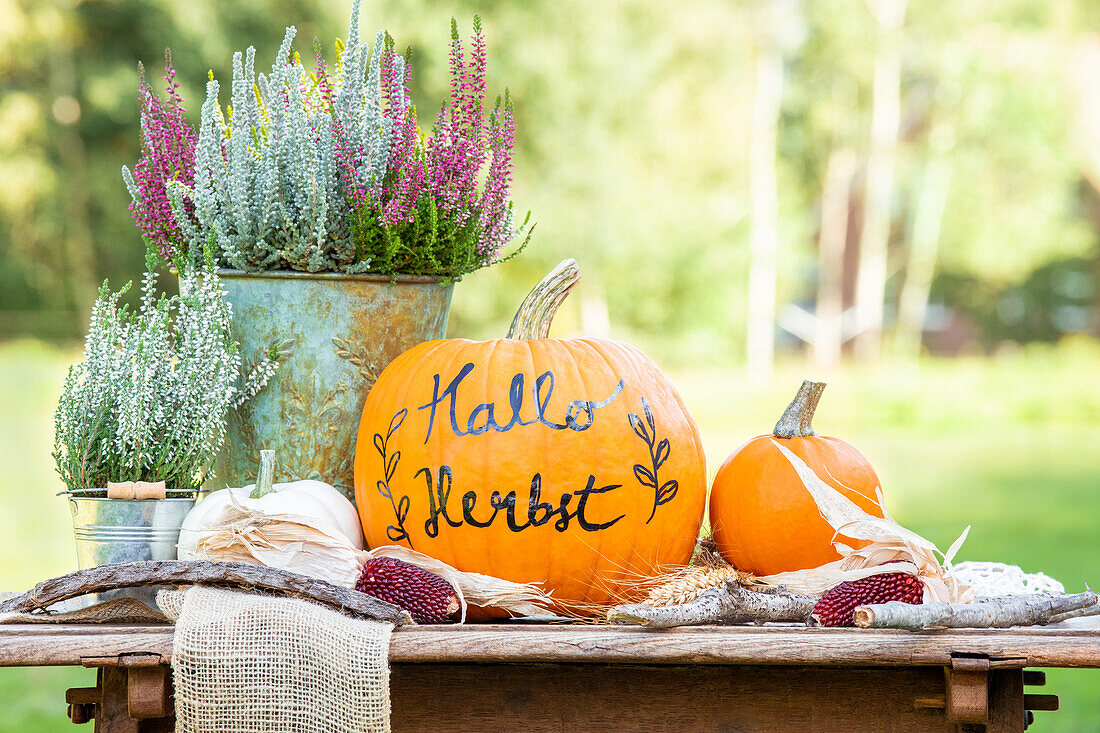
column 396, row 421
column 645, row 476
column 664, row 448
column 667, row 492
column 398, row 533
column 649, row 416
column 638, row 426
column 391, row 464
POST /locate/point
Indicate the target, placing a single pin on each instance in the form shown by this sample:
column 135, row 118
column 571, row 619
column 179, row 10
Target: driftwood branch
column 732, row 604
column 1093, row 610
column 204, row 572
column 999, row 613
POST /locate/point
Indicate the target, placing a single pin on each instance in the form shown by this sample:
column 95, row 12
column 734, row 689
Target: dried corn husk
column 304, row 545
column 287, row 541
column 887, row 542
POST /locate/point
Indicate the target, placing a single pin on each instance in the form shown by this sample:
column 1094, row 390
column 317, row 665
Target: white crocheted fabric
column 999, row 579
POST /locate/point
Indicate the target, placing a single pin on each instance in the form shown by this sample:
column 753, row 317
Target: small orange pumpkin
column 571, row 462
column 763, row 519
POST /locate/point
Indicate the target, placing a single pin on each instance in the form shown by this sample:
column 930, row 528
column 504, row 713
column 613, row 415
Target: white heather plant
column 272, row 177
column 150, row 398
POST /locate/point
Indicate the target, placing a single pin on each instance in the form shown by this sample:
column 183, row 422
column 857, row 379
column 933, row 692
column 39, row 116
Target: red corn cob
column 838, row 605
column 429, row 598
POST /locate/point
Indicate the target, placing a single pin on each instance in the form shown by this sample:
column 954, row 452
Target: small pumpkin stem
column 796, row 419
column 537, row 310
column 264, row 485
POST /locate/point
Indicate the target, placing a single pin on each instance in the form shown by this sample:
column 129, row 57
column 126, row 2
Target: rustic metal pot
column 340, row 332
column 126, row 530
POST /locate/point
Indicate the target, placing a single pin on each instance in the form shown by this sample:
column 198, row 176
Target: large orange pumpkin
column 763, row 519
column 571, row 462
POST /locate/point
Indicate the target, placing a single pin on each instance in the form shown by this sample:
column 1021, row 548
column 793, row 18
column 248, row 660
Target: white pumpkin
column 313, row 499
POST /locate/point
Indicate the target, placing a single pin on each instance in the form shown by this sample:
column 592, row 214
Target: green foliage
column 634, row 121
column 149, row 399
column 38, row 691
column 426, row 245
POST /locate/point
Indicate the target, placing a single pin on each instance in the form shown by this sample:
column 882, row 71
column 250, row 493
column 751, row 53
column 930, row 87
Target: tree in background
column 69, row 120
column 878, row 195
column 832, row 242
column 636, row 124
column 780, row 33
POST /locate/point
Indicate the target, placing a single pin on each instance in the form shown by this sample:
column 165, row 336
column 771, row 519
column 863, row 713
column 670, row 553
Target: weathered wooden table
column 597, row 678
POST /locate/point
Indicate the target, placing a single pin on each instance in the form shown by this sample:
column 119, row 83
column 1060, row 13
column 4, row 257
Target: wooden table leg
column 149, row 692
column 983, row 695
column 1006, row 701
column 112, row 713
column 133, row 694
column 968, row 693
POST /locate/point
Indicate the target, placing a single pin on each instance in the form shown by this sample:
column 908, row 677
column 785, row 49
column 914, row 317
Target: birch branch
column 1093, row 610
column 732, row 604
column 1021, row 610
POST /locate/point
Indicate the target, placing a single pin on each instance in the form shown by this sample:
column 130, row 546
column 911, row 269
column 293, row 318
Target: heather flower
column 150, row 397
column 443, row 207
column 274, row 177
column 406, row 162
column 458, row 147
column 328, row 170
column 495, row 210
column 168, row 154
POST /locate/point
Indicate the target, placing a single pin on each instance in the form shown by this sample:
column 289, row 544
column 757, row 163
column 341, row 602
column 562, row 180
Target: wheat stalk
column 689, row 583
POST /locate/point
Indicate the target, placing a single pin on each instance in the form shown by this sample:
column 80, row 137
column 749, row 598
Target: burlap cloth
column 245, row 662
column 254, row 663
column 118, row 611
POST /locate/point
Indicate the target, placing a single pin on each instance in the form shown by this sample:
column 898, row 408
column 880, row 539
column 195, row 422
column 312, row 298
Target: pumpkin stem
column 264, row 481
column 796, row 419
column 537, row 310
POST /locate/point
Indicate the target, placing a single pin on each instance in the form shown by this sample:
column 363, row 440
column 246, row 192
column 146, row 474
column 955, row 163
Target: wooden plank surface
column 43, row 645
column 1061, row 646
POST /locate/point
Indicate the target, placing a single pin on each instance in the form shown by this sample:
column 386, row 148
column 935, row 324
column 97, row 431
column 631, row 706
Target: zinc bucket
column 126, row 530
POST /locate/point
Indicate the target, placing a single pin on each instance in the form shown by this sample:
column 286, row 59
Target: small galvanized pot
column 340, row 331
column 126, row 530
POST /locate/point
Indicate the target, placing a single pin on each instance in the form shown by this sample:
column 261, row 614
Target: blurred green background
column 898, row 197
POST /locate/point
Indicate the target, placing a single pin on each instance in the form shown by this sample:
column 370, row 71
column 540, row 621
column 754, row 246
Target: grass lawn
column 1009, row 446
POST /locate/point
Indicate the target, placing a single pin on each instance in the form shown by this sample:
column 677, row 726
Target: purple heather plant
column 168, row 153
column 437, row 205
column 443, row 206
column 349, row 157
column 406, row 179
